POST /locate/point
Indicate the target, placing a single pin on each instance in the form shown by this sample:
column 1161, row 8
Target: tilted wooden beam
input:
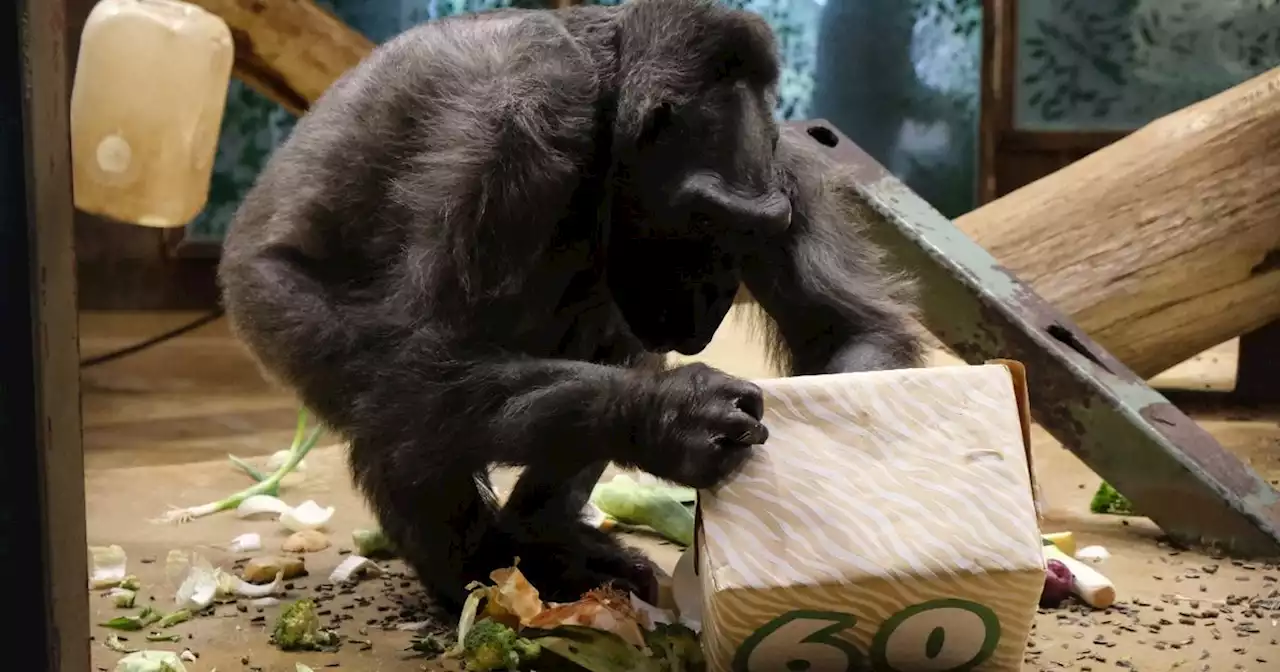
column 1168, row 466
column 289, row 50
column 1164, row 243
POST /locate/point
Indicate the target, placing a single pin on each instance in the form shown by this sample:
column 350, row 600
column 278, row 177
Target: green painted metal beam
column 1168, row 466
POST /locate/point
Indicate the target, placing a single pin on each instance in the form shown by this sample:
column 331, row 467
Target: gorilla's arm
column 427, row 414
column 402, row 263
column 832, row 305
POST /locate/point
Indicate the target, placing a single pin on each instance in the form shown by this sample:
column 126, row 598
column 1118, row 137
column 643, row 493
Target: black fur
column 473, row 249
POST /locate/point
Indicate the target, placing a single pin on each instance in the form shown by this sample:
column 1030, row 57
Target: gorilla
column 478, row 246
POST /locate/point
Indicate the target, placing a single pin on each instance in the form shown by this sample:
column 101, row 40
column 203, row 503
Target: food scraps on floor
column 507, row 626
column 265, row 485
column 1108, row 500
column 298, row 628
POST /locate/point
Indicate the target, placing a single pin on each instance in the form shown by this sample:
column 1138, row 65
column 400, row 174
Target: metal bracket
column 1172, row 470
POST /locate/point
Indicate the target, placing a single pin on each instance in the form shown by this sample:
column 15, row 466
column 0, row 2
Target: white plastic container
column 149, row 94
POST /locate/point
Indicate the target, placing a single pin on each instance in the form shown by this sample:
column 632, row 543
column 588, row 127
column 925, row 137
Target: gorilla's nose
column 708, row 195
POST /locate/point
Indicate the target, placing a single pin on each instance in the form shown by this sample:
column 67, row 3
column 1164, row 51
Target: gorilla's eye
column 659, row 120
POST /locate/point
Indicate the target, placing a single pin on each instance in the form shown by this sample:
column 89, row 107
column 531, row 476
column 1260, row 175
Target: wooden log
column 289, row 50
column 1166, row 242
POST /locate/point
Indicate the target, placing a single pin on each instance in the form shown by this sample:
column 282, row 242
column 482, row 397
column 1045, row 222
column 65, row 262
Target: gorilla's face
column 673, row 293
column 697, row 192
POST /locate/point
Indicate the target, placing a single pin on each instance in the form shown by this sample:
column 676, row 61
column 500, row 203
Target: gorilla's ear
column 669, row 51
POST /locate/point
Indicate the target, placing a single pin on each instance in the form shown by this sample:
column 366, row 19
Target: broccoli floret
column 1108, row 500
column 431, row 644
column 298, row 629
column 490, row 645
column 676, row 648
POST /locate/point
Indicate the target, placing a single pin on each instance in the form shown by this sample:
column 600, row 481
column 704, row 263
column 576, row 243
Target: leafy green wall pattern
column 1086, row 65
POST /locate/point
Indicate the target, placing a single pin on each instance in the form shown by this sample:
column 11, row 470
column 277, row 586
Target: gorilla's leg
column 543, row 517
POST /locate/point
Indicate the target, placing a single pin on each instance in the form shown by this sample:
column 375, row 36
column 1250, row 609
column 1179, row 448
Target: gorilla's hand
column 701, row 427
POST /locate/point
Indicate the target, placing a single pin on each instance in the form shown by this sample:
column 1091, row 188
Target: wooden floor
column 192, row 399
column 159, row 424
column 200, row 396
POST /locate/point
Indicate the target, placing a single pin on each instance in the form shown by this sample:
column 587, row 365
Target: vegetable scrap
column 652, row 505
column 280, row 458
column 246, row 543
column 372, row 543
column 115, row 643
column 265, row 485
column 147, row 617
column 305, row 517
column 593, row 516
column 1095, row 554
column 257, row 505
column 507, row 626
column 174, row 618
column 265, row 569
column 200, row 584
column 1063, row 540
column 151, row 661
column 306, row 541
column 1086, row 582
column 1057, row 584
column 107, row 566
column 139, row 621
column 491, row 645
column 298, row 629
column 1066, row 575
column 1107, row 500
column 122, row 598
column 352, row 568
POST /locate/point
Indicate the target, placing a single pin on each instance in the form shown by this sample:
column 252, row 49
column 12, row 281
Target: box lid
column 880, row 474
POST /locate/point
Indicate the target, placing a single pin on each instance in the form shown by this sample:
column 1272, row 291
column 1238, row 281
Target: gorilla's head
column 694, row 178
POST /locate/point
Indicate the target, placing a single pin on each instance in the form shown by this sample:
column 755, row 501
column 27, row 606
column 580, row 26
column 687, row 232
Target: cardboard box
column 889, row 523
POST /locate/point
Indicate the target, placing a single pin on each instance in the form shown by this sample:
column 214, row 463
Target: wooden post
column 42, row 515
column 1162, row 244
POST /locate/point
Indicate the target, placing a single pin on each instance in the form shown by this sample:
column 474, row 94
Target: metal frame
column 1172, row 470
column 42, row 506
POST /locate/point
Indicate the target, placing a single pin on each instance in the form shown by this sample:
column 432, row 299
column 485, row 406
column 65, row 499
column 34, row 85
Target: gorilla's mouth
column 691, row 346
column 673, row 293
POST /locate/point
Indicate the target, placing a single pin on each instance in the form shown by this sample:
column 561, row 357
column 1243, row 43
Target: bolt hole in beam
column 1068, row 338
column 1115, row 423
column 823, row 135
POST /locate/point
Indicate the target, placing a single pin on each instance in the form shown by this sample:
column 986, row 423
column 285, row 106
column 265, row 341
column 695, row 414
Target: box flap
column 1019, row 374
column 921, row 447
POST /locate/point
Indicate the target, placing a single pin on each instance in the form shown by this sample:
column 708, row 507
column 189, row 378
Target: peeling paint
column 1129, row 434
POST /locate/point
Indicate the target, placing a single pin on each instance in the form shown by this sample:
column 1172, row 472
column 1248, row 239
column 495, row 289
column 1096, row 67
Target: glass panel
column 899, row 77
column 1114, row 65
column 253, row 125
